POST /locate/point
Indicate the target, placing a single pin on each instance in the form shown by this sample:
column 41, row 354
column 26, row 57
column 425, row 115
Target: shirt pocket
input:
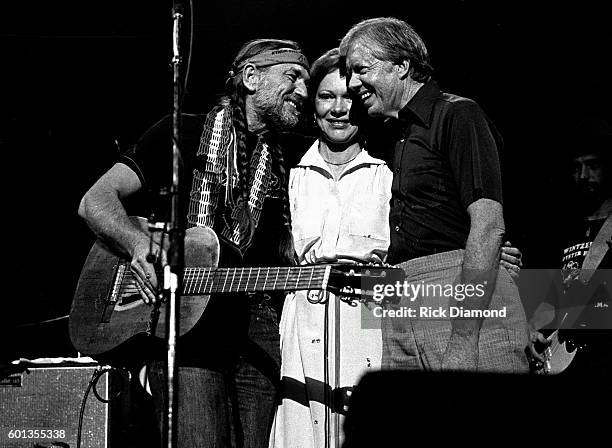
column 369, row 216
column 422, row 184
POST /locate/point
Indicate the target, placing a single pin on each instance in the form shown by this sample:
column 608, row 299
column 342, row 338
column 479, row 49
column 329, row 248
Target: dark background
column 79, row 80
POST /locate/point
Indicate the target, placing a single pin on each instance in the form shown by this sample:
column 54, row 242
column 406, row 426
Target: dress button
column 397, row 228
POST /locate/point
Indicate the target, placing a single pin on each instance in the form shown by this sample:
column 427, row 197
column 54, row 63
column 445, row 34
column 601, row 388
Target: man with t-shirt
column 583, row 308
column 236, row 184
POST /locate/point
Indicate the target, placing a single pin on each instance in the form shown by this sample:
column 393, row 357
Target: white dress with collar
column 343, row 219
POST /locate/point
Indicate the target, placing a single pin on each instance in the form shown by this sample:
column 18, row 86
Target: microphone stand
column 173, row 271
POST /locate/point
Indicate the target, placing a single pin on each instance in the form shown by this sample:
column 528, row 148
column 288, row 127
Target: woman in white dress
column 339, row 198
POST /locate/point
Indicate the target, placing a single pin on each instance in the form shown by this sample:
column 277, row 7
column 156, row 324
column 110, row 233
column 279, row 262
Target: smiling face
column 376, row 83
column 281, row 94
column 332, row 107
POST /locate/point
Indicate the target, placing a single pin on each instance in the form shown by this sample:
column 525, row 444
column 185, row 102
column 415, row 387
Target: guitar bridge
column 115, row 292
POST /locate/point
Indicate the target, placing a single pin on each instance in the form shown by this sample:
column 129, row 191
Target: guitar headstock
column 359, row 281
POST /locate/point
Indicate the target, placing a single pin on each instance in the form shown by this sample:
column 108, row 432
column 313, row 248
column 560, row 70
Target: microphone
column 178, row 7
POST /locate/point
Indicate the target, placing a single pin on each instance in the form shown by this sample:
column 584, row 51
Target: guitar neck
column 201, row 281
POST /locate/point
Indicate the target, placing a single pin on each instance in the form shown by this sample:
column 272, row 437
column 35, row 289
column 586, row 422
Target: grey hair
column 394, row 41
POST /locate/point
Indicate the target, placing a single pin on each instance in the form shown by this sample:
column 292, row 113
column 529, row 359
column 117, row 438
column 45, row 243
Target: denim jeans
column 231, row 407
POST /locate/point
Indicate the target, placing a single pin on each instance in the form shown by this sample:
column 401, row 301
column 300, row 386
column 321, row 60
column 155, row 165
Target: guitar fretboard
column 197, row 281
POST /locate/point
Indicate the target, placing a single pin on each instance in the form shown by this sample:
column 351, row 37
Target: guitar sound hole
column 129, row 290
column 127, row 299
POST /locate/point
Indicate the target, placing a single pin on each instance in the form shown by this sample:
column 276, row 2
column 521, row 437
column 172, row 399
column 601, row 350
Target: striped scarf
column 220, row 175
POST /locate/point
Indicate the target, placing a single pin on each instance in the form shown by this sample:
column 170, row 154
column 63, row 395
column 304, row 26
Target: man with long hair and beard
column 236, row 184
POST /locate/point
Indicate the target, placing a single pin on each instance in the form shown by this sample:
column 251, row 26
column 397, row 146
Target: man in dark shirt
column 236, row 184
column 580, row 304
column 446, row 209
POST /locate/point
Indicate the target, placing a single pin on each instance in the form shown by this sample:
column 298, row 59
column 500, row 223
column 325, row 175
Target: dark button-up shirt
column 445, row 158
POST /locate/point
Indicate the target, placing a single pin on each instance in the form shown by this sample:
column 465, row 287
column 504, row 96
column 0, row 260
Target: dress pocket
column 369, row 216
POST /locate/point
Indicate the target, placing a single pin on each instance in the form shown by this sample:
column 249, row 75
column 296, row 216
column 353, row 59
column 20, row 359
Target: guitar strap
column 597, row 251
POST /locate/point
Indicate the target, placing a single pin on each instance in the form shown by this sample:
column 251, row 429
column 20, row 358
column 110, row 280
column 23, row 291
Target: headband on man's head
column 273, row 57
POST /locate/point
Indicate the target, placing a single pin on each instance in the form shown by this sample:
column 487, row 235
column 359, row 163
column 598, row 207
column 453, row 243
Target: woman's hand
column 511, row 259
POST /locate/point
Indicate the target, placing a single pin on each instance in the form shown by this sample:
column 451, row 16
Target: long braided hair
column 235, row 95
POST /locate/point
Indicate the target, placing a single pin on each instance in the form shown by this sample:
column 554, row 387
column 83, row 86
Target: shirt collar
column 421, row 104
column 313, row 158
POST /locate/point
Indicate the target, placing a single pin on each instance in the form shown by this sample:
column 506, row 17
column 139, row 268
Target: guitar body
column 107, row 310
column 556, row 356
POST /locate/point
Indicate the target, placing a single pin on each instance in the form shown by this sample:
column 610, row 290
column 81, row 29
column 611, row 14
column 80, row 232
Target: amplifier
column 40, row 407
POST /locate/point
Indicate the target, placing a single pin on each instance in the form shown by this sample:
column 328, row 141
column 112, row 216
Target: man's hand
column 480, row 267
column 537, row 349
column 538, row 344
column 511, row 259
column 146, row 278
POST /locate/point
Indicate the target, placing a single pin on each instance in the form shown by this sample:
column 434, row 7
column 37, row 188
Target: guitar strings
column 289, row 277
column 210, row 279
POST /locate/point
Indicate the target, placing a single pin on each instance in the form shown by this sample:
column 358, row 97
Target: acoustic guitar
column 107, row 311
